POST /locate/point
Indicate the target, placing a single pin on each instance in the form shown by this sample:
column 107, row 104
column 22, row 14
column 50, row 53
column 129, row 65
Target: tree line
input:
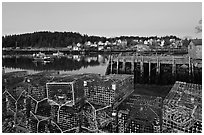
column 64, row 39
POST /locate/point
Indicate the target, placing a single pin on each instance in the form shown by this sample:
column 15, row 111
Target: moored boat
column 41, row 57
column 58, row 54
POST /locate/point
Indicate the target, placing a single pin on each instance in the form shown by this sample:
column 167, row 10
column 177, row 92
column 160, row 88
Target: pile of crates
column 182, row 111
column 14, row 95
column 105, row 90
column 49, row 102
column 140, row 114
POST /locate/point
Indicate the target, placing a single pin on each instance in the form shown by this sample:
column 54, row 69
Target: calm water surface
column 72, row 64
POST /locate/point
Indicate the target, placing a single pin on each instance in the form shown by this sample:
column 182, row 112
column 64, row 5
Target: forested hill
column 47, row 39
column 60, row 39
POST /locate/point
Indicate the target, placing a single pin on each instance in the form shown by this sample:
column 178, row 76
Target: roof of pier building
column 197, row 42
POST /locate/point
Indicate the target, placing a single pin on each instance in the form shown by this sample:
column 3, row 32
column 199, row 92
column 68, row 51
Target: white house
column 75, row 48
column 145, row 42
column 100, row 43
column 100, row 47
column 162, row 43
column 141, row 47
column 78, row 45
column 88, row 43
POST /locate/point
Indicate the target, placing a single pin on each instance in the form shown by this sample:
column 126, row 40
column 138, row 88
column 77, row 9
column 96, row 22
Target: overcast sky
column 103, row 19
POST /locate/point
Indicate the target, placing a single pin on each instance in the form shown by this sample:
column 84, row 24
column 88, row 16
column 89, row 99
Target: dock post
column 135, row 74
column 142, row 69
column 189, row 67
column 111, row 64
column 117, row 66
column 158, row 70
column 192, row 65
column 158, row 66
column 133, row 64
column 123, row 67
column 173, row 68
column 3, row 70
column 149, row 71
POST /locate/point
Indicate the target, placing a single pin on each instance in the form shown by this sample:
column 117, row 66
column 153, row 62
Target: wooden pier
column 144, row 66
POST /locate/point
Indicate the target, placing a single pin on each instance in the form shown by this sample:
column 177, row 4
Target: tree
column 61, row 39
column 186, row 42
column 199, row 27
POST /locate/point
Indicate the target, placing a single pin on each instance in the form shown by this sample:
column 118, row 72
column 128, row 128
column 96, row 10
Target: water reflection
column 71, row 63
column 76, row 64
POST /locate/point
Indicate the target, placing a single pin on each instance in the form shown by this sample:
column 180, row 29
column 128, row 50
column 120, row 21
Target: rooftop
column 197, row 41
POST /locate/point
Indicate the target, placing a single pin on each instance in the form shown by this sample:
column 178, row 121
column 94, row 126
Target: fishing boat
column 41, row 57
column 58, row 54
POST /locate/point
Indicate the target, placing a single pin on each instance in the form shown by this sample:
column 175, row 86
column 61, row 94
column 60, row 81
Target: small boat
column 39, row 54
column 58, row 54
column 41, row 57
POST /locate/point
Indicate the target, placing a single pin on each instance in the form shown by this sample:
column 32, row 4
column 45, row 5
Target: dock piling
column 149, row 71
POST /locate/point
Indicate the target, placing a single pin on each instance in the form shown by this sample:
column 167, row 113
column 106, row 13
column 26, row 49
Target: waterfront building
column 88, row 43
column 75, row 48
column 162, row 43
column 141, row 47
column 69, row 47
column 78, row 44
column 195, row 49
column 100, row 47
column 146, row 42
column 107, row 43
column 182, row 111
column 101, row 43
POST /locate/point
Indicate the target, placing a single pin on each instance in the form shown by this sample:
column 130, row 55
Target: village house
column 124, row 42
column 145, row 42
column 100, row 43
column 100, row 47
column 75, row 48
column 195, row 49
column 141, row 47
column 78, row 44
column 88, row 43
column 69, row 47
column 107, row 43
column 162, row 43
